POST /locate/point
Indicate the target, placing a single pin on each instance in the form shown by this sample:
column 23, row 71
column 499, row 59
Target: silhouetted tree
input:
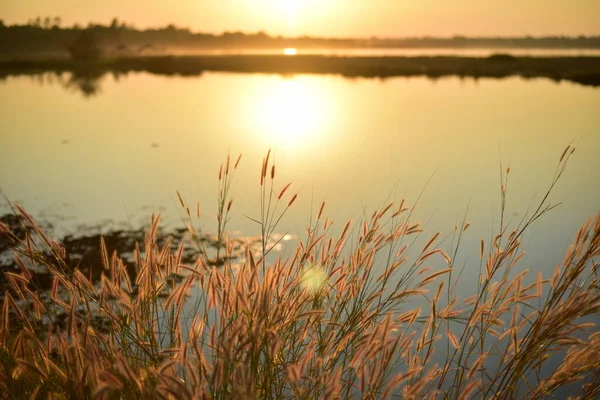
column 126, row 27
column 57, row 22
column 47, row 23
column 85, row 48
column 114, row 25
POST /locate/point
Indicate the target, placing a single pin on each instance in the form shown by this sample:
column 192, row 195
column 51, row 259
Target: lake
column 405, row 52
column 118, row 156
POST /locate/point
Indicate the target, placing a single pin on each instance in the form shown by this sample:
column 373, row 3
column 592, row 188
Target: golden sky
column 358, row 18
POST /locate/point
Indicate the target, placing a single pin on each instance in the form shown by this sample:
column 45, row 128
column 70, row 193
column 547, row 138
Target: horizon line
column 131, row 26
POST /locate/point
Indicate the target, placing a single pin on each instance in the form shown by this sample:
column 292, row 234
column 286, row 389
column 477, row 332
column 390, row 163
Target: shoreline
column 582, row 70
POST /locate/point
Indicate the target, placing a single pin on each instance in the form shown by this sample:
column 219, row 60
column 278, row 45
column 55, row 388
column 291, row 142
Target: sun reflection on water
column 293, row 113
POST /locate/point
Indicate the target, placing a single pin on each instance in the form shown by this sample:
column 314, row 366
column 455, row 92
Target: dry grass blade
column 341, row 317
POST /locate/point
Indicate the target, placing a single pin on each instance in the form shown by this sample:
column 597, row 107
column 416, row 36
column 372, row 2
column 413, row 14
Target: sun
column 291, row 17
column 291, row 8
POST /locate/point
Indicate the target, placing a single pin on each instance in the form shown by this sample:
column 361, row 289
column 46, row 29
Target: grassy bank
column 583, row 70
column 337, row 319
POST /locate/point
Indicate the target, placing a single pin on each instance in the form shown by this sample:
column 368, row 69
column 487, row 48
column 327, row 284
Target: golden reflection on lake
column 291, row 114
column 355, row 143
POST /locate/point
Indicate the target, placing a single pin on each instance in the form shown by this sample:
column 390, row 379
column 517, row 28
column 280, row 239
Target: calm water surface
column 411, row 52
column 120, row 155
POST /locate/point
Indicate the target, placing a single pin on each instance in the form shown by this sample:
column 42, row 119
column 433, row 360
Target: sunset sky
column 357, row 18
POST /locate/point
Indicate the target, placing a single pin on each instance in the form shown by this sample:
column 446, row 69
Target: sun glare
column 314, row 278
column 292, row 17
column 291, row 7
column 293, row 114
column 290, row 51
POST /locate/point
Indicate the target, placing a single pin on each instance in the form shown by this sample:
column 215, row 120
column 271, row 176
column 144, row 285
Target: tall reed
column 337, row 319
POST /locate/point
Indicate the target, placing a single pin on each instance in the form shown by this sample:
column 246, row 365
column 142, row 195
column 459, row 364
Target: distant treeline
column 47, row 35
column 87, row 76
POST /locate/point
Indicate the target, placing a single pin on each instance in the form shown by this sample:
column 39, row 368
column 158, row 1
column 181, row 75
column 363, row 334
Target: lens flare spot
column 313, row 278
